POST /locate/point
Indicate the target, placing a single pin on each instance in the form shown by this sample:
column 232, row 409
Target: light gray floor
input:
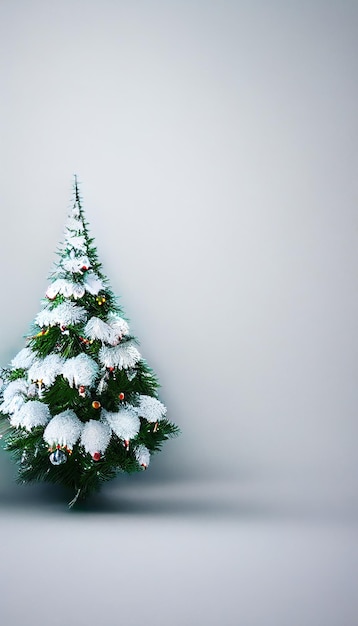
column 254, row 552
column 216, row 144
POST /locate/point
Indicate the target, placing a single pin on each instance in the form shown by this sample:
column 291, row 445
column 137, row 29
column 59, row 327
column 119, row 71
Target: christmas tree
column 79, row 404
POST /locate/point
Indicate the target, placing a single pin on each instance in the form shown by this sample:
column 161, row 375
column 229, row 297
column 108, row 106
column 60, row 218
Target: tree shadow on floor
column 169, row 499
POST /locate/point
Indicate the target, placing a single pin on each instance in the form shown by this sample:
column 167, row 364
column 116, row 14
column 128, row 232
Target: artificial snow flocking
column 78, row 403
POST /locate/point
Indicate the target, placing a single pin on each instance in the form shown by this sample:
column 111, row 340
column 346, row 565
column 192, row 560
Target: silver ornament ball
column 58, row 457
column 131, row 374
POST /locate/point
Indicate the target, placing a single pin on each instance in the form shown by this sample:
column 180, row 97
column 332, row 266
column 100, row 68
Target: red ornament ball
column 96, row 456
column 121, row 396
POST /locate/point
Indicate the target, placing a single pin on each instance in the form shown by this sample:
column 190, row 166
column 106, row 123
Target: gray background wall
column 216, row 143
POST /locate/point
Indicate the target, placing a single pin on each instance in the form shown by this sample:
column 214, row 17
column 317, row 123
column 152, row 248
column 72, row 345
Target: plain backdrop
column 216, row 146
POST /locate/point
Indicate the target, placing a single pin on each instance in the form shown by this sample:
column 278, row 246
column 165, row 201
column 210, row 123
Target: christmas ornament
column 96, row 456
column 42, row 333
column 121, row 396
column 96, row 404
column 58, row 457
column 100, row 300
column 82, row 391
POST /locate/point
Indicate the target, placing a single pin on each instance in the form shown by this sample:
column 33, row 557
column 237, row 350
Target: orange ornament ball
column 96, row 404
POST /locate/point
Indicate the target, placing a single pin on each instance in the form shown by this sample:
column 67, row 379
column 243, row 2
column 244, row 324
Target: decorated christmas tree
column 79, row 403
